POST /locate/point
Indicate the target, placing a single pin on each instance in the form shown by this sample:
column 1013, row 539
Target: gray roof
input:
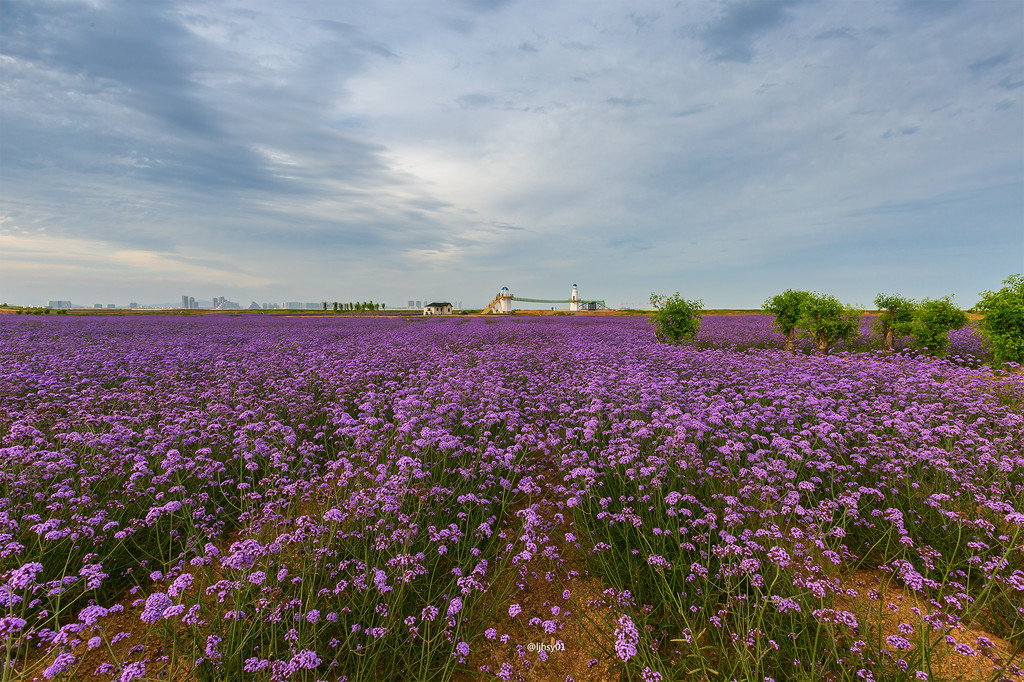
column 438, row 305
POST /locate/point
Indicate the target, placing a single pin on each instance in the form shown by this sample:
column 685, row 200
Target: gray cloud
column 150, row 59
column 731, row 36
column 368, row 149
column 627, row 101
column 990, row 63
column 908, row 130
column 476, row 100
column 691, row 111
column 930, row 8
column 486, row 6
column 833, row 33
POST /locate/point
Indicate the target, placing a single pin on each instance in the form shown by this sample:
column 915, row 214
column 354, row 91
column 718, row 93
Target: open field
column 538, row 498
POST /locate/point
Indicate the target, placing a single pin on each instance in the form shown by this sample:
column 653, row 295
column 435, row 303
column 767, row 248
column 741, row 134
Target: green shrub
column 676, row 320
column 788, row 308
column 826, row 320
column 1003, row 324
column 932, row 322
column 896, row 319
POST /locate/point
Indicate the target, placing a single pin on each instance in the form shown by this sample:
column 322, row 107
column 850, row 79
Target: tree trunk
column 791, row 341
column 887, row 342
column 822, row 344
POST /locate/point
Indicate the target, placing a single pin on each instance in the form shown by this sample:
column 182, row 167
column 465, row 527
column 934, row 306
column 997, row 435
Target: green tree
column 897, row 316
column 1003, row 324
column 826, row 320
column 788, row 308
column 325, row 306
column 335, row 306
column 932, row 322
column 676, row 319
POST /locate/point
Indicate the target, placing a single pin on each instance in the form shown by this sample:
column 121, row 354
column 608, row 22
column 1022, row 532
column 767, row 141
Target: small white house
column 444, row 308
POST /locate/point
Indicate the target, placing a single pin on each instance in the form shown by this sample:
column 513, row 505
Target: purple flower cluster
column 626, row 638
column 349, row 490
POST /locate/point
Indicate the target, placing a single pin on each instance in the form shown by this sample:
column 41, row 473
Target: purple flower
column 132, row 671
column 255, row 664
column 25, row 576
column 650, row 675
column 898, row 642
column 454, row 606
column 212, row 646
column 11, row 625
column 90, row 614
column 156, row 604
column 380, row 580
column 785, row 604
column 180, row 585
column 779, row 557
column 93, row 574
column 658, row 561
column 305, row 660
column 59, row 665
column 626, row 638
column 514, row 610
column 964, row 649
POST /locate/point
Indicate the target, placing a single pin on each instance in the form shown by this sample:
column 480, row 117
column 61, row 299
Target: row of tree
column 37, row 311
column 826, row 320
column 364, row 305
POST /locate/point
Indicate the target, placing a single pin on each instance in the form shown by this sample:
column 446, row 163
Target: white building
column 444, row 308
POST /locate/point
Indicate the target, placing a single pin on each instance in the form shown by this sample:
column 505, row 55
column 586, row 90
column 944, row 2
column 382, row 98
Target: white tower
column 574, row 300
column 505, row 300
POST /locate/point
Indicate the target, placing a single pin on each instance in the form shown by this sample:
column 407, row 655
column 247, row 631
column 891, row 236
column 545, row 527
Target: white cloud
column 41, row 257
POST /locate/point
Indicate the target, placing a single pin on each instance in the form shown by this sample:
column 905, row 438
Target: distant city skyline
column 217, row 302
column 725, row 149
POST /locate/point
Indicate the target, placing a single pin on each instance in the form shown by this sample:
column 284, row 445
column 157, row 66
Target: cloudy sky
column 320, row 150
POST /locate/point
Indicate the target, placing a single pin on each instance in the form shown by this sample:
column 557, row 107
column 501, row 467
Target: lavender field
column 258, row 498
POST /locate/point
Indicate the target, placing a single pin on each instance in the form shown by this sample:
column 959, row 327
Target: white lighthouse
column 504, row 300
column 574, row 300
